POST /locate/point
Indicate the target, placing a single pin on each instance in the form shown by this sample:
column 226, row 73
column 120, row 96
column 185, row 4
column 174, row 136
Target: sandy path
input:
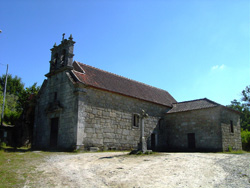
column 164, row 170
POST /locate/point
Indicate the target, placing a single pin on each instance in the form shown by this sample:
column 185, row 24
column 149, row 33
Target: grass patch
column 235, row 152
column 18, row 165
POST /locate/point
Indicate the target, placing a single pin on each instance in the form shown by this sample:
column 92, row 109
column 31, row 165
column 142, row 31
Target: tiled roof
column 193, row 105
column 114, row 83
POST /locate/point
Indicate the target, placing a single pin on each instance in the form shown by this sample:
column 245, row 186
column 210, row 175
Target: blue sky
column 192, row 49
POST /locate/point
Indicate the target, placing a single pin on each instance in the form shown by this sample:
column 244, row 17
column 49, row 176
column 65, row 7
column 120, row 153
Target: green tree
column 245, row 138
column 19, row 108
column 11, row 114
column 244, row 108
column 27, row 96
column 24, row 127
column 14, row 87
column 246, row 96
column 14, row 84
column 245, row 113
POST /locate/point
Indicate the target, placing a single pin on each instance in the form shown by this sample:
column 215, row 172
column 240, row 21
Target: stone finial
column 70, row 37
column 54, row 45
column 63, row 36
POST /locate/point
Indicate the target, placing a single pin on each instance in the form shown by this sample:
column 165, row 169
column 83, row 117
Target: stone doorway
column 191, row 140
column 54, row 132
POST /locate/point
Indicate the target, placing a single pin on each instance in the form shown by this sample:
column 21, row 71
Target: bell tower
column 62, row 55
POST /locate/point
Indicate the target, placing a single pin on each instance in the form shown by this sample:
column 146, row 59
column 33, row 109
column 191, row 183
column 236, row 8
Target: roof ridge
column 122, row 77
column 213, row 102
column 191, row 100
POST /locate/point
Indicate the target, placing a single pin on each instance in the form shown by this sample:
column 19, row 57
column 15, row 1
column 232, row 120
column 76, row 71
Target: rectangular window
column 55, row 96
column 136, row 120
column 232, row 126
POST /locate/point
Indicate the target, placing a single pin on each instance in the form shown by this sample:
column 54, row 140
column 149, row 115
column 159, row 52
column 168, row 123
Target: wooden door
column 191, row 140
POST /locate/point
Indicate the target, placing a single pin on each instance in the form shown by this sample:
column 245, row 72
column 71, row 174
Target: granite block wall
column 90, row 117
column 204, row 123
column 211, row 127
column 231, row 131
column 107, row 119
column 62, row 106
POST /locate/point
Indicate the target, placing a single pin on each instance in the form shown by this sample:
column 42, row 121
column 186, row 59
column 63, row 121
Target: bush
column 230, row 149
column 245, row 138
column 2, row 145
column 10, row 117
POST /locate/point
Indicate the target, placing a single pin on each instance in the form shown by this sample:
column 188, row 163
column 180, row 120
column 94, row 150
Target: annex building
column 80, row 106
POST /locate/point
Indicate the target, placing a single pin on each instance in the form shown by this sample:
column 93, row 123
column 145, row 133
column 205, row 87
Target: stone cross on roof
column 63, row 36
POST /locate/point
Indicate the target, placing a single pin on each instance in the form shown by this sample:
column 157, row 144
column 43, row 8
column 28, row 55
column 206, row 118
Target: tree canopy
column 27, row 96
column 243, row 106
column 14, row 84
column 17, row 97
column 19, row 108
column 245, row 113
column 246, row 96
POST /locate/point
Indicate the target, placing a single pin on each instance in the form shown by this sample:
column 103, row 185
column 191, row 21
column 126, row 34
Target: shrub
column 245, row 138
column 2, row 145
column 230, row 148
column 10, row 117
column 148, row 152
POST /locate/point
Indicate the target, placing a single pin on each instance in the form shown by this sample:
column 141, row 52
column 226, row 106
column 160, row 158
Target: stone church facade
column 80, row 106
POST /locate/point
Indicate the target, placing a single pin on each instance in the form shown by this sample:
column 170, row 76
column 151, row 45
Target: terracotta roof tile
column 114, row 83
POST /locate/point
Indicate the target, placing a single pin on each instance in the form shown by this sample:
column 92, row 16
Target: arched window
column 56, row 58
column 63, row 55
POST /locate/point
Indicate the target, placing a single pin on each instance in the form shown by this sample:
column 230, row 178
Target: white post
column 4, row 94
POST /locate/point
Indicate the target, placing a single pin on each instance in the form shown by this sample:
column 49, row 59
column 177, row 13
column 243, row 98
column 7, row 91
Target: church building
column 80, row 107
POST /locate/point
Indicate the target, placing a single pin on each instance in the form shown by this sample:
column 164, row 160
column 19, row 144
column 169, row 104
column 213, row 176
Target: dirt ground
column 117, row 169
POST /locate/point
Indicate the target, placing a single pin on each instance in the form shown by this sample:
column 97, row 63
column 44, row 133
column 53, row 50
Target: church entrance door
column 53, row 132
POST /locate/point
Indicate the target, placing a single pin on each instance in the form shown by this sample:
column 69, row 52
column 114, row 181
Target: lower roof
column 195, row 105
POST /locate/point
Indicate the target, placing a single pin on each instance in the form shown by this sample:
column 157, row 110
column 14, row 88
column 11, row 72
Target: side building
column 202, row 125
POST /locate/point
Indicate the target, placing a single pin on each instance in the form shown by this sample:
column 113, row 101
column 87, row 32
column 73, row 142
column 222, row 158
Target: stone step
column 94, row 149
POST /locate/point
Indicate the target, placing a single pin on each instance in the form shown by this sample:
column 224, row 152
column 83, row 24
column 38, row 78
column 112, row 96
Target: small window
column 63, row 55
column 55, row 58
column 55, row 96
column 232, row 126
column 136, row 120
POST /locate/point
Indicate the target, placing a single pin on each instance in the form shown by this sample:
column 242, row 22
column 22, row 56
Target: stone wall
column 62, row 106
column 107, row 119
column 231, row 137
column 204, row 123
column 92, row 117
